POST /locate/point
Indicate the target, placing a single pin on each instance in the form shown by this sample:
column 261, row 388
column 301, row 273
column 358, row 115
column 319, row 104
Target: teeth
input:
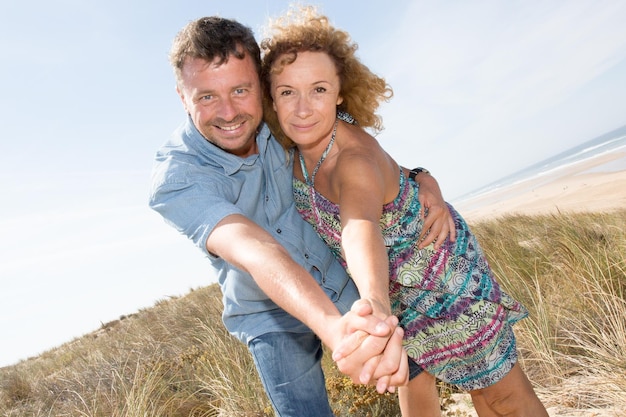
column 229, row 128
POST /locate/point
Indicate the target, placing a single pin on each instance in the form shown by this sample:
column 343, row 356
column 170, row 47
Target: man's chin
column 236, row 145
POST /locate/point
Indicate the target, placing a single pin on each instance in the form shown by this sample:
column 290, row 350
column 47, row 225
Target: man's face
column 224, row 102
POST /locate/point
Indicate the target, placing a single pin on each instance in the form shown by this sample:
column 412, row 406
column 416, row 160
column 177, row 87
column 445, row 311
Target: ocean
column 611, row 142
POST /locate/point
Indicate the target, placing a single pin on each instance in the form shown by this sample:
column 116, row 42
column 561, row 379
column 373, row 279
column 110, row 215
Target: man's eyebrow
column 210, row 91
column 246, row 84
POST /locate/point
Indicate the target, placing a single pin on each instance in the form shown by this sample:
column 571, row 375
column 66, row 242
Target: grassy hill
column 176, row 359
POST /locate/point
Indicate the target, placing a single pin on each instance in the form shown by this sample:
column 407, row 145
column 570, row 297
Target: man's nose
column 228, row 109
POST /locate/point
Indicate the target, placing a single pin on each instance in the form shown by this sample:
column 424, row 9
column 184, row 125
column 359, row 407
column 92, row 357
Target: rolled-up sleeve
column 190, row 200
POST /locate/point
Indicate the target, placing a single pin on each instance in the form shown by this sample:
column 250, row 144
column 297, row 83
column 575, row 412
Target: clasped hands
column 371, row 351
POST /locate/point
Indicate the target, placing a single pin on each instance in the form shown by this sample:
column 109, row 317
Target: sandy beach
column 596, row 184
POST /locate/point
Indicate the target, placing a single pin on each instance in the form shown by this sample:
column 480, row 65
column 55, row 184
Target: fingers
column 372, row 349
column 438, row 226
column 362, row 307
column 358, row 354
column 430, row 231
column 348, row 345
column 352, row 355
column 383, row 385
column 452, row 227
column 391, row 350
column 401, row 377
column 435, row 229
column 365, row 377
column 358, row 324
column 389, row 370
column 393, row 356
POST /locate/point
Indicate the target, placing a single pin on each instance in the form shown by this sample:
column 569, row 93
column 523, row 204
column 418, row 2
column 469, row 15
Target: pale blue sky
column 482, row 89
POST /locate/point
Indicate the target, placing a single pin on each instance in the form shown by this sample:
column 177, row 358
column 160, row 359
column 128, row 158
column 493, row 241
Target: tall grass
column 570, row 271
column 175, row 359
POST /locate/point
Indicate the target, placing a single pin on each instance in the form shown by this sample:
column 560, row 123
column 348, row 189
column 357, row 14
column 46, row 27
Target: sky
column 482, row 89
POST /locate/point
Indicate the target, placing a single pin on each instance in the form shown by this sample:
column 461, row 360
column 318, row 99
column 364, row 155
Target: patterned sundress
column 457, row 320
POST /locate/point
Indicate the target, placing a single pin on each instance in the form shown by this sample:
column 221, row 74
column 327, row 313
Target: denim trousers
column 290, row 368
column 289, row 363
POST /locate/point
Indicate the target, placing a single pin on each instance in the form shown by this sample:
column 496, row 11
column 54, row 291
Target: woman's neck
column 312, row 159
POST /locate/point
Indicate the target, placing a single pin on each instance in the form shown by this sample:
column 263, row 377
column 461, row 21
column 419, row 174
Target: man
column 225, row 182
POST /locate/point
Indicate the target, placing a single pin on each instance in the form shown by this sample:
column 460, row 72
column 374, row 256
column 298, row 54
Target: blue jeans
column 414, row 369
column 290, row 368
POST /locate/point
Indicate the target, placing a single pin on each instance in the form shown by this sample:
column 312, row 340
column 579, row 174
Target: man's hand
column 438, row 222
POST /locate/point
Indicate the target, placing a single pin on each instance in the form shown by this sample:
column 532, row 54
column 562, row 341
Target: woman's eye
column 320, row 90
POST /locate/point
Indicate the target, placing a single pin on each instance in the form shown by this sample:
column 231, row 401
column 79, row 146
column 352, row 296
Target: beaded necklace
column 311, row 181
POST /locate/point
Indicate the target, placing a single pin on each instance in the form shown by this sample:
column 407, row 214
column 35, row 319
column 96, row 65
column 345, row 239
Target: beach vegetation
column 176, row 359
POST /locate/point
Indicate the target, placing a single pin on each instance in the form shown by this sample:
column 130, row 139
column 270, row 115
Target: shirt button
column 278, row 231
column 267, row 198
column 306, row 255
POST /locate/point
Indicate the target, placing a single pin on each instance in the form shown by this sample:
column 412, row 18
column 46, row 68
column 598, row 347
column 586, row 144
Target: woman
column 456, row 319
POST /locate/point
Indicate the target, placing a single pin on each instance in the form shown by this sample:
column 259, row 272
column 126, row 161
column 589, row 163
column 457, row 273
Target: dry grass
column 175, row 359
column 570, row 271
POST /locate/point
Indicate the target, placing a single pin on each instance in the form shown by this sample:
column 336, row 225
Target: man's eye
column 206, row 98
column 240, row 91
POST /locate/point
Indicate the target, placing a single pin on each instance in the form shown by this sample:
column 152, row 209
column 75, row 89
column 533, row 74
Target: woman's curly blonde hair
column 301, row 29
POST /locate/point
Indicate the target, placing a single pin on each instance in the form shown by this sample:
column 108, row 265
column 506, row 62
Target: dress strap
column 311, row 181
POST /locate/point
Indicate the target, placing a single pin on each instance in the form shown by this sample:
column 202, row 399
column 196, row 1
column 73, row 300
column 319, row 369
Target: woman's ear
column 339, row 100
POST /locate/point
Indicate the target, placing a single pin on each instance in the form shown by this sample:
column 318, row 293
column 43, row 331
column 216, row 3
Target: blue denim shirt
column 195, row 185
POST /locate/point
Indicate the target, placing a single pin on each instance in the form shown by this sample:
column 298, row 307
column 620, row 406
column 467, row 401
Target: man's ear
column 182, row 97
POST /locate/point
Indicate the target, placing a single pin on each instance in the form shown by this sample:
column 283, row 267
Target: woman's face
column 306, row 95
